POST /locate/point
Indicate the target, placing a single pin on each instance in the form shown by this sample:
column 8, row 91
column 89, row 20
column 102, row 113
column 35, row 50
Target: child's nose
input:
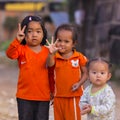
column 98, row 74
column 62, row 43
column 34, row 34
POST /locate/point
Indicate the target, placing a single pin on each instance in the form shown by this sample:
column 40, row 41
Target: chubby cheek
column 40, row 36
column 92, row 76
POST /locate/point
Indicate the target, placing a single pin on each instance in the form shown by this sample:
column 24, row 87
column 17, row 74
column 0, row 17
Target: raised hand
column 20, row 34
column 52, row 46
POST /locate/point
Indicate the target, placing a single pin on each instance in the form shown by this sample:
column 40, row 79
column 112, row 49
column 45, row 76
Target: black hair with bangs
column 26, row 22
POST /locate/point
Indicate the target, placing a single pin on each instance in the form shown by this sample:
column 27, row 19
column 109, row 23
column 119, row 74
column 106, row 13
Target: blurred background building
column 12, row 12
column 98, row 22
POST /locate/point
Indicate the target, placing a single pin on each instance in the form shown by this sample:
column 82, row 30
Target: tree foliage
column 10, row 24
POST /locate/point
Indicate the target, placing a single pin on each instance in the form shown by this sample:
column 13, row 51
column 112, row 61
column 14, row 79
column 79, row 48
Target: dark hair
column 99, row 59
column 69, row 27
column 47, row 19
column 26, row 22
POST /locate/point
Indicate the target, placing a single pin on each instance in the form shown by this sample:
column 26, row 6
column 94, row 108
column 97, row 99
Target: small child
column 98, row 99
column 33, row 90
column 70, row 73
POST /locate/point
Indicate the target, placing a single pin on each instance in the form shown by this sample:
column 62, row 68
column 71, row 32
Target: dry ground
column 8, row 80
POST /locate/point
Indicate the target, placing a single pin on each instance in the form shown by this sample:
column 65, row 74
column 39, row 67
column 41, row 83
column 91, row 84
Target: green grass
column 4, row 45
column 3, row 58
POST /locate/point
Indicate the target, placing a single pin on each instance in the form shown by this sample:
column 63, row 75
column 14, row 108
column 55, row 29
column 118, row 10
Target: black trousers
column 33, row 110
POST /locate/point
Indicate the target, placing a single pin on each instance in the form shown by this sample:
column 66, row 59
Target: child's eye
column 102, row 73
column 59, row 40
column 38, row 31
column 29, row 31
column 94, row 72
column 66, row 41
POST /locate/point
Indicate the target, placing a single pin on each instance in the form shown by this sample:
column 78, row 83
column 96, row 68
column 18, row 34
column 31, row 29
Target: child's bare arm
column 82, row 79
column 84, row 75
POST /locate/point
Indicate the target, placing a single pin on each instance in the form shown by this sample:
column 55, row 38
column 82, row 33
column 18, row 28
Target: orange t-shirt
column 67, row 73
column 33, row 82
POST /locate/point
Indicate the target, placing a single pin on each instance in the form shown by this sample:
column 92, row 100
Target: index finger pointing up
column 56, row 41
column 23, row 29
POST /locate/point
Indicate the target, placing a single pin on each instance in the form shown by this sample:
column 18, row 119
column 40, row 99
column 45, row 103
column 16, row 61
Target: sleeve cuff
column 93, row 110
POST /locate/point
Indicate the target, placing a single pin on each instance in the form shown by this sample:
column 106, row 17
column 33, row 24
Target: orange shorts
column 66, row 108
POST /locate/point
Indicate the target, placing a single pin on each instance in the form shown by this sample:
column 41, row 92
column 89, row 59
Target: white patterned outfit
column 102, row 102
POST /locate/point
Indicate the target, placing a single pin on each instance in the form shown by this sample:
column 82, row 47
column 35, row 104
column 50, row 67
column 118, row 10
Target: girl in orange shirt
column 33, row 91
column 70, row 73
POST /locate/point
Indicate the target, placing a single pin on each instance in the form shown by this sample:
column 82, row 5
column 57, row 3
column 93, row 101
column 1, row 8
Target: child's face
column 34, row 34
column 99, row 73
column 65, row 42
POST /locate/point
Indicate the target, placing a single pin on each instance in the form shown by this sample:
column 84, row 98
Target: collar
column 74, row 55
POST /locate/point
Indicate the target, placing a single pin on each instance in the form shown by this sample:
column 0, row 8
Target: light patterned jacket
column 102, row 102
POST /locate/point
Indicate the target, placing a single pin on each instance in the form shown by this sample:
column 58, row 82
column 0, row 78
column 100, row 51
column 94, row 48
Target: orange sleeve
column 83, row 60
column 14, row 49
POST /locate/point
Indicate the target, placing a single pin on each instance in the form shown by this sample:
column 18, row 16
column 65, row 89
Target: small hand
column 52, row 46
column 75, row 86
column 20, row 33
column 86, row 109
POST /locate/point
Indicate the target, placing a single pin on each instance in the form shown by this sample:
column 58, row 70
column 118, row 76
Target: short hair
column 99, row 59
column 69, row 27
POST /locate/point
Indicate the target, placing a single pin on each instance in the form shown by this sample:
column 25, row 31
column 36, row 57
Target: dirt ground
column 8, row 81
